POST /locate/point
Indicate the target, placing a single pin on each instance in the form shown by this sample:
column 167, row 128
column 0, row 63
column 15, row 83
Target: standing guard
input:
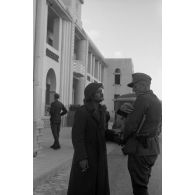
column 57, row 110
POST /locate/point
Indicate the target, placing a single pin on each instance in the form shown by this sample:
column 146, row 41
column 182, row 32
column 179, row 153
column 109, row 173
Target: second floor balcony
column 78, row 68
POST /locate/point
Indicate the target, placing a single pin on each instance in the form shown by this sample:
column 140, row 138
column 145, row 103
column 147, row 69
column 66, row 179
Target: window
column 53, row 25
column 117, row 76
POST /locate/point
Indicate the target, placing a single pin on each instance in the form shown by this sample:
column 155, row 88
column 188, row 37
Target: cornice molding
column 61, row 9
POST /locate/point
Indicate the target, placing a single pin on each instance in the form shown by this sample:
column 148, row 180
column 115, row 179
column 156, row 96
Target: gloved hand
column 126, row 107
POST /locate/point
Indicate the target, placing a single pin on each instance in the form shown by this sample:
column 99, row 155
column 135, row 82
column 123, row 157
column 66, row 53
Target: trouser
column 55, row 128
column 140, row 170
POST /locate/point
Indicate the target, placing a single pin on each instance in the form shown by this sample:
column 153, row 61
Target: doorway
column 50, row 90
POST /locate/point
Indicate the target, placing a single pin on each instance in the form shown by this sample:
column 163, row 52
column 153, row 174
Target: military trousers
column 140, row 170
column 55, row 128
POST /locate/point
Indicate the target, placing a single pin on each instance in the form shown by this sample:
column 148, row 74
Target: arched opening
column 117, row 76
column 50, row 89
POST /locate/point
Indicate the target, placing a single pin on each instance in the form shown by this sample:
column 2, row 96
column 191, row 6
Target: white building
column 66, row 60
column 119, row 71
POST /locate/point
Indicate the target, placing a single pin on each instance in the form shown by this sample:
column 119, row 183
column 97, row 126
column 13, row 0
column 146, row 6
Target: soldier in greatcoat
column 89, row 172
column 141, row 133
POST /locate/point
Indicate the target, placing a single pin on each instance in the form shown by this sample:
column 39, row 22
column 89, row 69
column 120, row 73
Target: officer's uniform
column 142, row 147
column 57, row 109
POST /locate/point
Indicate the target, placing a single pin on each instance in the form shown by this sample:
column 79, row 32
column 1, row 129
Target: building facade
column 65, row 61
column 119, row 71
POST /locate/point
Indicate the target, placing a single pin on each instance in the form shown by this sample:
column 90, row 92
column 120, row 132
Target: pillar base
column 37, row 136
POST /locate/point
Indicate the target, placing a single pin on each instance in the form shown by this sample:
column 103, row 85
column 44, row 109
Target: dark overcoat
column 88, row 138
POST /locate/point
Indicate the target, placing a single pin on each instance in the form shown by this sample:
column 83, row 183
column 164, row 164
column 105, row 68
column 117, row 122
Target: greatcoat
column 88, row 138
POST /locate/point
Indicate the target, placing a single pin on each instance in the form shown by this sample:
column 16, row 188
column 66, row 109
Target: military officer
column 141, row 132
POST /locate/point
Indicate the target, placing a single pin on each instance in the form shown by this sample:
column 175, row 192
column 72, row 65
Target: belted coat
column 88, row 138
column 149, row 106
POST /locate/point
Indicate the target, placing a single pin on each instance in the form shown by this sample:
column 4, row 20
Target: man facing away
column 141, row 132
column 57, row 110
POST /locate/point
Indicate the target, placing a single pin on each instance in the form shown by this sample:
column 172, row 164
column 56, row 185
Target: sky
column 128, row 29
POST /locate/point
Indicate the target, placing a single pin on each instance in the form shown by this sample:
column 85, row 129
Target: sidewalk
column 50, row 162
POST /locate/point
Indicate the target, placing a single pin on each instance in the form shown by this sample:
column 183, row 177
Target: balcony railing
column 78, row 68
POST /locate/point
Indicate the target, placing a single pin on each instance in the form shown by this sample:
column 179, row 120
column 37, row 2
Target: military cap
column 139, row 77
column 56, row 96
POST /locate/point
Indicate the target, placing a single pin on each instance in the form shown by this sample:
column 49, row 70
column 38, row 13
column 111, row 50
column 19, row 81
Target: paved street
column 118, row 174
column 120, row 183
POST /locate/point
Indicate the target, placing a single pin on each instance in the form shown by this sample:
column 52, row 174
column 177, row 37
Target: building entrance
column 50, row 90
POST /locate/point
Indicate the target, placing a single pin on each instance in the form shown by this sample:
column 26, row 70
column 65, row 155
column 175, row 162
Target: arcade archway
column 50, row 89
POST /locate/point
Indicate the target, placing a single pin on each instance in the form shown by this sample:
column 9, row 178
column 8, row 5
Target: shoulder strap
column 141, row 124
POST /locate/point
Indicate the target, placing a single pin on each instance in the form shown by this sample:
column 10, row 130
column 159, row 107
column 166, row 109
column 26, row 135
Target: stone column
column 98, row 70
column 71, row 64
column 39, row 53
column 89, row 63
column 87, row 59
column 82, row 56
column 93, row 65
column 66, row 49
column 34, row 19
column 80, row 91
column 82, row 51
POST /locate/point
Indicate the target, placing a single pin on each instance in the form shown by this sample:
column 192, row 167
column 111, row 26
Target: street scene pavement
column 120, row 182
column 52, row 168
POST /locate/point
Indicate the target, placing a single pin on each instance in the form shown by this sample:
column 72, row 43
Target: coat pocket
column 130, row 146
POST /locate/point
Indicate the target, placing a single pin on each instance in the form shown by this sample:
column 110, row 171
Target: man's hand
column 127, row 108
column 84, row 165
